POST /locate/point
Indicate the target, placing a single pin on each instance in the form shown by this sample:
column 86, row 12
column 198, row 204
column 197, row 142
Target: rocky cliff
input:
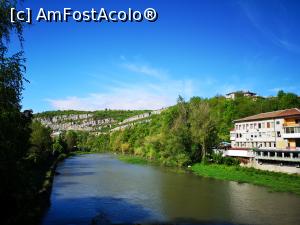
column 97, row 121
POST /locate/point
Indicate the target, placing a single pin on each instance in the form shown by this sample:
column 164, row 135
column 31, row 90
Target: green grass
column 132, row 159
column 274, row 181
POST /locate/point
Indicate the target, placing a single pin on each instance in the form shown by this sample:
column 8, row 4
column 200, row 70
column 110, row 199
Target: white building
column 268, row 141
column 279, row 130
column 232, row 95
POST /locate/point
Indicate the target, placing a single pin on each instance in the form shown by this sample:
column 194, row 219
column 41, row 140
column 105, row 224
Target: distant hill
column 92, row 121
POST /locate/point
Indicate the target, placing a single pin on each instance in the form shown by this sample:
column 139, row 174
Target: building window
column 278, row 134
column 268, row 125
column 259, row 125
column 277, row 122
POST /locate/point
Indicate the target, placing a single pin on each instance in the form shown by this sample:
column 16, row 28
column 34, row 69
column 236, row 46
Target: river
column 100, row 189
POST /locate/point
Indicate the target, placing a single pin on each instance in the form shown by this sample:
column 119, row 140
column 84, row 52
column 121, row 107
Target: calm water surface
column 100, row 189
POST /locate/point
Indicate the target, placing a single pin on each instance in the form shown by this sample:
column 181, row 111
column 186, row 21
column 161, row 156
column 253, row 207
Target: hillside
column 92, row 121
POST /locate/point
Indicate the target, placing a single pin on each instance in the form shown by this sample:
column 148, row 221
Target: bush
column 138, row 151
column 182, row 159
column 217, row 158
column 206, row 160
column 152, row 154
column 125, row 147
column 231, row 161
column 62, row 157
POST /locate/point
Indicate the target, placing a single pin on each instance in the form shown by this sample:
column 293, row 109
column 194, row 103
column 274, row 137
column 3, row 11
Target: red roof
column 271, row 115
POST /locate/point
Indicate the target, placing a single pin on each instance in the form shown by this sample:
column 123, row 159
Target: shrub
column 217, row 158
column 125, row 147
column 138, row 151
column 230, row 161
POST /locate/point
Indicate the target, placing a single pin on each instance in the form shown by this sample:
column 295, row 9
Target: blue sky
column 195, row 48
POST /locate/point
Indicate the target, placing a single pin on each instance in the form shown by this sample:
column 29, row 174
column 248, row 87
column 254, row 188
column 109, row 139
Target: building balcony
column 289, row 125
column 291, row 135
column 278, row 155
column 291, row 132
column 239, row 152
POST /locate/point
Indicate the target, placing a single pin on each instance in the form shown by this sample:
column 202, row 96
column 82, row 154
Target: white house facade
column 279, row 130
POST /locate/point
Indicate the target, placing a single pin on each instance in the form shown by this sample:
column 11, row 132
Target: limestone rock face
column 90, row 122
column 84, row 122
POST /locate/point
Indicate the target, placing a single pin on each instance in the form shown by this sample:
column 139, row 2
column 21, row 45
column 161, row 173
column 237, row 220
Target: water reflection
column 100, row 189
column 253, row 203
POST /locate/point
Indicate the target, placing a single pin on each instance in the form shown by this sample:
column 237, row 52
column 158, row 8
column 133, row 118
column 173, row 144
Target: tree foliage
column 187, row 132
column 40, row 142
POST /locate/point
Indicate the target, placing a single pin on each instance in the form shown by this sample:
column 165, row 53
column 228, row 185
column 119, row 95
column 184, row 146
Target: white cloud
column 146, row 70
column 160, row 92
column 121, row 99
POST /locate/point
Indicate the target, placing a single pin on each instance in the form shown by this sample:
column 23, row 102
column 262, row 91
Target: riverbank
column 133, row 159
column 38, row 206
column 38, row 200
column 279, row 182
column 275, row 181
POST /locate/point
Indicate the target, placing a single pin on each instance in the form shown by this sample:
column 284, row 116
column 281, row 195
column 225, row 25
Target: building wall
column 292, row 143
column 239, row 153
column 272, row 167
column 292, row 126
column 230, row 96
column 265, row 134
column 290, row 122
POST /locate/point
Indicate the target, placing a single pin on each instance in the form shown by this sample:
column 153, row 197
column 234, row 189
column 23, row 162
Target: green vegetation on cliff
column 117, row 115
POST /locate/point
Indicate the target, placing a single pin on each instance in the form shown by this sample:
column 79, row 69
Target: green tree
column 287, row 100
column 71, row 140
column 203, row 130
column 40, row 142
column 59, row 146
column 14, row 125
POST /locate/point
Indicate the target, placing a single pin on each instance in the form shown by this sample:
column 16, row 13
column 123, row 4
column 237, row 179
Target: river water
column 100, row 189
